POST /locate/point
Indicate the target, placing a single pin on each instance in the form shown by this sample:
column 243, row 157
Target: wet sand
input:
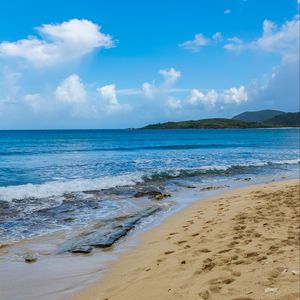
column 242, row 245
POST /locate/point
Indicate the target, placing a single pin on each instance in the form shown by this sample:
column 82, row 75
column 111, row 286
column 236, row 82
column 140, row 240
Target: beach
column 73, row 202
column 242, row 245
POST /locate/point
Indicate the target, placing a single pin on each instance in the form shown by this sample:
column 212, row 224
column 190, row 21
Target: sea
column 66, row 181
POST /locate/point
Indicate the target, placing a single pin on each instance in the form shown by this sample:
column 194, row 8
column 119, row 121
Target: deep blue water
column 39, row 168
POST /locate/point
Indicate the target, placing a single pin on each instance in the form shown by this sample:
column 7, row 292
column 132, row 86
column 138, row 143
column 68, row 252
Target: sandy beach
column 242, row 245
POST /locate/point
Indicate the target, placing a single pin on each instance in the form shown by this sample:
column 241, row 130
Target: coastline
column 240, row 244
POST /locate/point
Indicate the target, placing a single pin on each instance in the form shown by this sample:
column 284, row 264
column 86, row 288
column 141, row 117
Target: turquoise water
column 55, row 180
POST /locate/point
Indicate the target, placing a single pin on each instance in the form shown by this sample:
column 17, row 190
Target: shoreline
column 216, row 248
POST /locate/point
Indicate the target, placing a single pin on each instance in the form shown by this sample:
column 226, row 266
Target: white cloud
column 197, row 98
column 71, row 90
column 170, row 76
column 227, row 11
column 200, row 41
column 235, row 95
column 110, row 100
column 173, row 103
column 58, row 43
column 234, row 44
column 148, row 89
column 212, row 97
column 33, row 100
column 283, row 40
column 196, row 44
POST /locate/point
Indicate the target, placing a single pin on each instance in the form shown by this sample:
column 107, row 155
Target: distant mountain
column 217, row 123
column 279, row 119
column 258, row 116
column 285, row 120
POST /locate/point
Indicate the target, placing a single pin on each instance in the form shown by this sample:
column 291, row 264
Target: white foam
column 287, row 162
column 56, row 188
column 215, row 168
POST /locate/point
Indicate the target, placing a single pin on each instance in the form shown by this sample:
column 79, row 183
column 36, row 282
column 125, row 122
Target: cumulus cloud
column 58, row 43
column 282, row 89
column 170, row 76
column 71, row 90
column 212, row 97
column 108, row 94
column 197, row 98
column 235, row 95
column 282, row 40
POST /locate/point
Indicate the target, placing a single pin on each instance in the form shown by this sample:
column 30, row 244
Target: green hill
column 258, row 116
column 217, row 123
column 285, row 120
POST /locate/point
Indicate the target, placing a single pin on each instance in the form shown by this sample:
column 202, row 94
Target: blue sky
column 118, row 64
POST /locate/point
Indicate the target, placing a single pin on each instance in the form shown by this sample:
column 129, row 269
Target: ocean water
column 60, row 180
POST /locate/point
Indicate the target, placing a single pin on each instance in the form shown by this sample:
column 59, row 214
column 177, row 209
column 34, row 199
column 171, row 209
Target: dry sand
column 243, row 245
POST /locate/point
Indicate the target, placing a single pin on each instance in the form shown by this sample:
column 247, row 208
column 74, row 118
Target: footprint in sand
column 169, row 252
column 224, row 251
column 221, row 281
column 180, row 242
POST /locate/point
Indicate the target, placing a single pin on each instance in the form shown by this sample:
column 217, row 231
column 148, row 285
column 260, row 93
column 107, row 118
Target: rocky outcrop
column 156, row 195
column 105, row 233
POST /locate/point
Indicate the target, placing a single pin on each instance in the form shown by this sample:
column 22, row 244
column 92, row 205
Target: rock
column 3, row 245
column 247, row 179
column 4, row 204
column 295, row 272
column 210, row 188
column 82, row 249
column 106, row 233
column 30, row 258
column 271, row 290
column 157, row 195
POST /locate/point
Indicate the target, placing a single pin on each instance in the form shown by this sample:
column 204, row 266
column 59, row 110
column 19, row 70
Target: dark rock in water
column 4, row 204
column 82, row 249
column 30, row 258
column 107, row 233
column 247, row 179
column 157, row 195
column 211, row 188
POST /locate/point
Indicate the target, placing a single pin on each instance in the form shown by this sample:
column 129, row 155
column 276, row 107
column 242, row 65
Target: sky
column 119, row 64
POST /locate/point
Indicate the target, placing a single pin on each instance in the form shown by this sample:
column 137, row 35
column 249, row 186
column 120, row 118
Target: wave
column 58, row 188
column 158, row 147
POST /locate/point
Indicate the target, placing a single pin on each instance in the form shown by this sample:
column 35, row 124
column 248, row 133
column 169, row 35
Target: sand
column 243, row 244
